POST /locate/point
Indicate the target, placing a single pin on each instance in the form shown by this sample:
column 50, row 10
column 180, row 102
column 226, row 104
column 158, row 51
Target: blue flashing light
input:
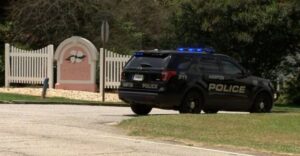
column 196, row 50
column 199, row 49
column 191, row 50
column 180, row 49
column 138, row 53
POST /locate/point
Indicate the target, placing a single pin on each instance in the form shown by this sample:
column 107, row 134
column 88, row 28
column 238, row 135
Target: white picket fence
column 114, row 64
column 28, row 66
column 33, row 66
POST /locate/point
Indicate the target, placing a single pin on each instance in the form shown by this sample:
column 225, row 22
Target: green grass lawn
column 275, row 132
column 10, row 97
column 19, row 98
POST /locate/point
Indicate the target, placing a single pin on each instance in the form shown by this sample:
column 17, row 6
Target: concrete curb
column 119, row 104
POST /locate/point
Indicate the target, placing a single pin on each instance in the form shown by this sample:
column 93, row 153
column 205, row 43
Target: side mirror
column 247, row 73
column 243, row 74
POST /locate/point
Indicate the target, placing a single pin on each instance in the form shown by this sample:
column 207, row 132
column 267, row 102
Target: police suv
column 192, row 80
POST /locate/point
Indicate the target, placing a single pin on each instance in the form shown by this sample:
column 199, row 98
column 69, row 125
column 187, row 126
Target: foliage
column 4, row 32
column 291, row 65
column 135, row 24
column 260, row 33
column 290, row 72
column 2, row 70
column 293, row 90
column 43, row 22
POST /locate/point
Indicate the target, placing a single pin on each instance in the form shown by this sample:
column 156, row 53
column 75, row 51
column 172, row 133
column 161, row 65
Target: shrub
column 293, row 90
column 2, row 70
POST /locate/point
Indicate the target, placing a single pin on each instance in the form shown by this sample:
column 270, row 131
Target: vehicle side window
column 209, row 65
column 184, row 62
column 230, row 68
column 195, row 66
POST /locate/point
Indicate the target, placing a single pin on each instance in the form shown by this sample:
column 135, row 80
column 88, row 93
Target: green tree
column 290, row 70
column 293, row 90
column 42, row 22
column 259, row 32
column 149, row 19
column 135, row 24
column 4, row 25
column 4, row 33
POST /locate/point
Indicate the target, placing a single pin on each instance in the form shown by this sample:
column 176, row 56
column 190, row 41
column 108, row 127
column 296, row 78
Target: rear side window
column 209, row 65
column 194, row 63
column 180, row 62
column 184, row 62
column 149, row 61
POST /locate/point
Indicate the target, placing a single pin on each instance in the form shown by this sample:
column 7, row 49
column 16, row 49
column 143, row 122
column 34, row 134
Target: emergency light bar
column 138, row 53
column 196, row 50
column 183, row 50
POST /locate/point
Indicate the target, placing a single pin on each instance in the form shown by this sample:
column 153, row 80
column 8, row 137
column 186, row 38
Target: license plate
column 138, row 77
column 127, row 84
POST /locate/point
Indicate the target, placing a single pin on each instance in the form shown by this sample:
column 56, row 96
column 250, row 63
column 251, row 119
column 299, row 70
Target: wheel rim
column 261, row 105
column 192, row 104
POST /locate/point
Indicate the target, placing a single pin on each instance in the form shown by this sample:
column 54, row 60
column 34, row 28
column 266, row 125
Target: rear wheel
column 140, row 109
column 191, row 103
column 262, row 104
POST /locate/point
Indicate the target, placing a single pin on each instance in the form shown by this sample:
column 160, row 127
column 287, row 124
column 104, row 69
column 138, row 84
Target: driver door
column 237, row 89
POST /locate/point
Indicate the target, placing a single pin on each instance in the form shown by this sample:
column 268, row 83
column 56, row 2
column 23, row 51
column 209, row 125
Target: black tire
column 262, row 104
column 192, row 103
column 210, row 111
column 140, row 109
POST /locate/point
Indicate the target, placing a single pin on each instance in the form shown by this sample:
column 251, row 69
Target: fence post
column 101, row 76
column 50, row 50
column 45, row 87
column 7, row 64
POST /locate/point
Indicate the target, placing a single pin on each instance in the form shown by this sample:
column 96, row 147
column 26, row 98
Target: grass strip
column 24, row 99
column 277, row 132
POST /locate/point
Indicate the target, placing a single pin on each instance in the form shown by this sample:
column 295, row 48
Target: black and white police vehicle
column 192, row 80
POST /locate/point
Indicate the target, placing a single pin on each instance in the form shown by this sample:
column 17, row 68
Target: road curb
column 119, row 104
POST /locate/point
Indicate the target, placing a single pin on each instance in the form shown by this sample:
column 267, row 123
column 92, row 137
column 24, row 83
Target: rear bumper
column 159, row 100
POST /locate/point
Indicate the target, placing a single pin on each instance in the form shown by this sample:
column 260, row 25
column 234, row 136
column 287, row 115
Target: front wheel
column 191, row 103
column 140, row 109
column 262, row 104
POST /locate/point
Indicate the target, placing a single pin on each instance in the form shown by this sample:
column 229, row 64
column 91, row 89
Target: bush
column 2, row 70
column 293, row 90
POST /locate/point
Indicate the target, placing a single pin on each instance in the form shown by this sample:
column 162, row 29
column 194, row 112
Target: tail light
column 167, row 75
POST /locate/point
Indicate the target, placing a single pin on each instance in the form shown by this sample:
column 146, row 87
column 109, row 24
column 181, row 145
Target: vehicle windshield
column 149, row 61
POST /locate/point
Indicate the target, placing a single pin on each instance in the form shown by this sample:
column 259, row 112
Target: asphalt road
column 27, row 130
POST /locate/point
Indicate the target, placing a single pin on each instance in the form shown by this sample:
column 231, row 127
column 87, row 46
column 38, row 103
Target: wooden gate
column 28, row 66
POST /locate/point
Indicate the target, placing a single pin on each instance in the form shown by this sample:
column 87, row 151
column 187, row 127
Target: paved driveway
column 27, row 130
